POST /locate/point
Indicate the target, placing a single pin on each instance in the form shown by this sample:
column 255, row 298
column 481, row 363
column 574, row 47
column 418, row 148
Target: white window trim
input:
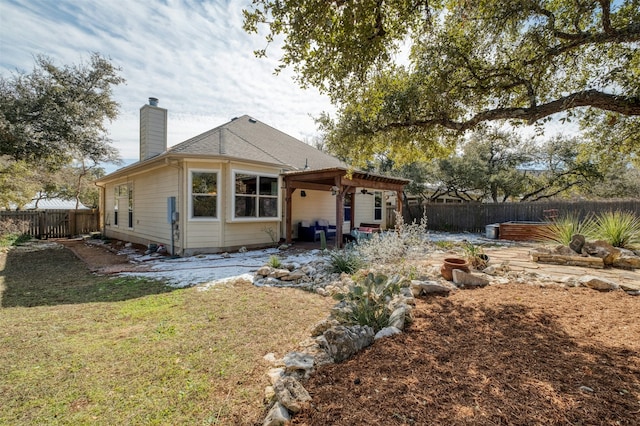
column 191, row 218
column 234, row 172
column 381, row 207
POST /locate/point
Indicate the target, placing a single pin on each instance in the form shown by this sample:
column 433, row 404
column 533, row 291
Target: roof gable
column 249, row 139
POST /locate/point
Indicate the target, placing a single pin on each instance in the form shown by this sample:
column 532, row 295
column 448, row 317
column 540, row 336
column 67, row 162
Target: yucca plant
column 618, row 228
column 563, row 228
column 367, row 301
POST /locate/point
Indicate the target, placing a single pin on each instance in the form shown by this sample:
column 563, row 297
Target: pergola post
column 287, row 203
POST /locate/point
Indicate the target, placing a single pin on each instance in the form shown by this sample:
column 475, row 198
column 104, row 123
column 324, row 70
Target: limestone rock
column 386, row 332
column 322, row 326
column 279, row 273
column 419, row 287
column 298, row 362
column 601, row 249
column 264, row 271
column 294, row 276
column 342, row 342
column 627, row 259
column 600, row 284
column 291, row 394
column 275, row 374
column 278, row 416
column 397, row 317
column 467, row 280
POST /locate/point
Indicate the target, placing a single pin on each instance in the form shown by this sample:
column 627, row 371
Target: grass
column 92, row 350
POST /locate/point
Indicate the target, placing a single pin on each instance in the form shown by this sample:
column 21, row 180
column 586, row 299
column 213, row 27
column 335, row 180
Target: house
column 42, row 202
column 242, row 184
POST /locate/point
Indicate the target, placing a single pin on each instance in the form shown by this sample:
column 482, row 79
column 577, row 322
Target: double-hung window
column 123, row 195
column 204, row 194
column 255, row 195
column 377, row 205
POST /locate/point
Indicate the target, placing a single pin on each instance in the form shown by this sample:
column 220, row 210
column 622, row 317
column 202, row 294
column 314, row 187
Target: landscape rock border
column 332, row 342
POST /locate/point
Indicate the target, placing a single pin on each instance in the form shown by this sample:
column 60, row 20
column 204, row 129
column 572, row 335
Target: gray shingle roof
column 249, row 139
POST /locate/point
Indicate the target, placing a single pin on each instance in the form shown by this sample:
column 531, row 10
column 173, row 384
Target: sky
column 192, row 55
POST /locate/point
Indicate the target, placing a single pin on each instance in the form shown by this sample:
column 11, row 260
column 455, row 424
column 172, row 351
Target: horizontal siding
column 150, row 193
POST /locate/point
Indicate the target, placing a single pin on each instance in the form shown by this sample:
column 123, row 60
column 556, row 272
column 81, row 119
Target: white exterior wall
column 227, row 233
column 150, row 193
column 316, row 205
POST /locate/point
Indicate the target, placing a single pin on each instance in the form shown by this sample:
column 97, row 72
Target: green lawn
column 104, row 351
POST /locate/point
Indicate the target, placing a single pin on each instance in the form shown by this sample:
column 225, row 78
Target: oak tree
column 469, row 62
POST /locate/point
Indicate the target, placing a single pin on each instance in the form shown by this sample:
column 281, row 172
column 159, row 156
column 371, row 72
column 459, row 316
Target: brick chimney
column 153, row 130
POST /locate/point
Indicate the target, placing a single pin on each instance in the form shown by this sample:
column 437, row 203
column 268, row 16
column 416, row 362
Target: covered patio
column 339, row 182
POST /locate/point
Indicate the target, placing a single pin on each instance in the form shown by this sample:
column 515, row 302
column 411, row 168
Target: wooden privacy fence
column 45, row 224
column 473, row 217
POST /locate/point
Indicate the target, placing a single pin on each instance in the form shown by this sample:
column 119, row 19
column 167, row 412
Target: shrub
column 562, row 229
column 13, row 232
column 394, row 245
column 620, row 229
column 346, row 260
column 367, row 301
column 475, row 256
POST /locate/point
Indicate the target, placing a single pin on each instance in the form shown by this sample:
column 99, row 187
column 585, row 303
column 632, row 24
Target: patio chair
column 329, row 230
column 308, row 232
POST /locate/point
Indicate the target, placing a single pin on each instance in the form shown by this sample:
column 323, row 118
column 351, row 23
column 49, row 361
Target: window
column 347, row 206
column 256, row 196
column 377, row 205
column 204, row 194
column 130, row 204
column 115, row 206
column 123, row 194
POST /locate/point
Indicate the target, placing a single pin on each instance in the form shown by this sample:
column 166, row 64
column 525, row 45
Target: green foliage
column 475, row 256
column 13, row 232
column 367, row 300
column 323, row 241
column 274, row 261
column 13, row 239
column 469, row 62
column 618, row 228
column 346, row 260
column 58, row 114
column 562, row 229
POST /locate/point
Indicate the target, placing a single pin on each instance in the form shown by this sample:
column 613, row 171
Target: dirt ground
column 512, row 354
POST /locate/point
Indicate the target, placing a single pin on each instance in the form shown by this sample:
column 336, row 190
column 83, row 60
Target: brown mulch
column 511, row 354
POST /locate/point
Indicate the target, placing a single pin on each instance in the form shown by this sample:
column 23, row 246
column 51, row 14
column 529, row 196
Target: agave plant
column 618, row 228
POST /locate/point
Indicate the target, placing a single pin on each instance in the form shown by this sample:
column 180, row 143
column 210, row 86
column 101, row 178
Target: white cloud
column 193, row 56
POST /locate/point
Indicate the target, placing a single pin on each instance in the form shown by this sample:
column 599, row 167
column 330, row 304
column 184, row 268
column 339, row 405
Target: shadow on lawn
column 55, row 276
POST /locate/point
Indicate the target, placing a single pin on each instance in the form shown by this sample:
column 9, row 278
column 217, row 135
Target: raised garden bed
column 521, row 230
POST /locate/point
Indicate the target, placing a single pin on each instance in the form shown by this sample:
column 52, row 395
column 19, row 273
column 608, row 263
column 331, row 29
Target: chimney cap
column 153, row 102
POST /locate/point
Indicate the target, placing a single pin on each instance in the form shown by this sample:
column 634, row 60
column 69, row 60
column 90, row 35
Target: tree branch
column 588, row 98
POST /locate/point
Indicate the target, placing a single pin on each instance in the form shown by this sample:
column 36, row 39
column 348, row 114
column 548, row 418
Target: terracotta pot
column 452, row 263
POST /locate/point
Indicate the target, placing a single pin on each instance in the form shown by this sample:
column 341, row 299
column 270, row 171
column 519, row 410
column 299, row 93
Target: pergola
column 340, row 182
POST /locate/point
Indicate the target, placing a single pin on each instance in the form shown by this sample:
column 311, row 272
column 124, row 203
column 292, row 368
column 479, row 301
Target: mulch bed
column 504, row 355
